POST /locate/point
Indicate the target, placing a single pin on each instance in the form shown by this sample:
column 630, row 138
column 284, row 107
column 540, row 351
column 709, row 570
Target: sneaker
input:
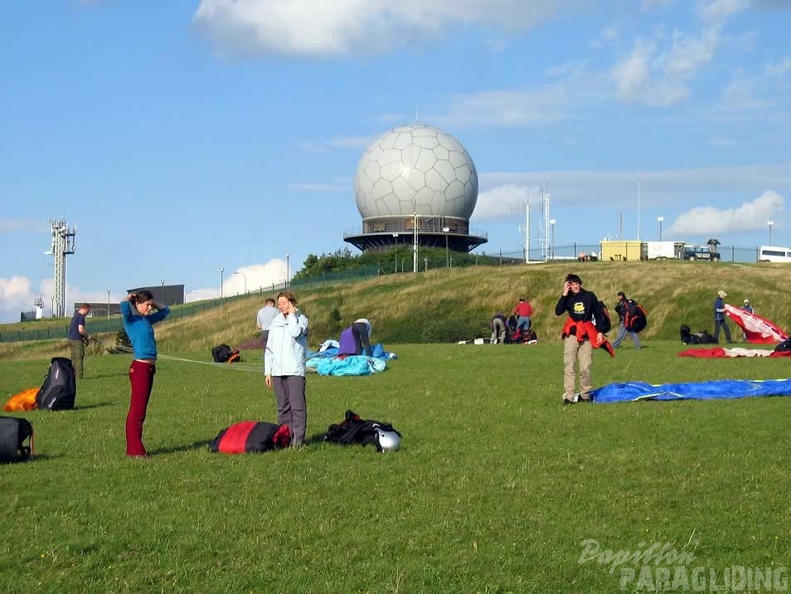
column 580, row 398
column 569, row 399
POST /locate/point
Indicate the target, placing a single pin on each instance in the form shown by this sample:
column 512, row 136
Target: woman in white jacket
column 284, row 365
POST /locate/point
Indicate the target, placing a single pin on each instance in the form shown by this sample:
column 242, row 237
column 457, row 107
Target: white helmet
column 387, row 440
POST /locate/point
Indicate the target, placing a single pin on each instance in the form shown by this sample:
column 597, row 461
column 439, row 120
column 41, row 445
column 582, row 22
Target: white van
column 771, row 253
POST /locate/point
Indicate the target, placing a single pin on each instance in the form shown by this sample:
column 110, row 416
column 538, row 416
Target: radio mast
column 62, row 246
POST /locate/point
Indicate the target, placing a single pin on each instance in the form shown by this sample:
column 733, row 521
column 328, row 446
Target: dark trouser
column 360, row 333
column 717, row 325
column 292, row 407
column 141, row 377
column 77, row 355
column 265, row 337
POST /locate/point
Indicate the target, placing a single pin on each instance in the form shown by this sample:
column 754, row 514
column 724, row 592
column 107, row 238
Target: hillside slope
column 449, row 305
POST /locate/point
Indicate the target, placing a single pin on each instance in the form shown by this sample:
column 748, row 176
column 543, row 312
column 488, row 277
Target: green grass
column 494, row 489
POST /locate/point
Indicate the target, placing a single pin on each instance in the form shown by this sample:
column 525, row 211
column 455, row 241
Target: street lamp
column 770, row 223
column 661, row 220
column 162, row 291
column 245, row 280
column 395, row 253
column 222, row 270
column 446, row 230
column 552, row 223
column 288, row 268
column 108, row 302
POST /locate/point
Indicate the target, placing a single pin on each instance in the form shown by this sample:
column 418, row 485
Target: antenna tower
column 62, row 246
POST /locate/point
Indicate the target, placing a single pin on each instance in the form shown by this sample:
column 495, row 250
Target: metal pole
column 288, row 268
column 660, row 219
column 395, row 253
column 770, row 223
column 447, row 251
column 414, row 247
column 108, row 302
column 222, row 270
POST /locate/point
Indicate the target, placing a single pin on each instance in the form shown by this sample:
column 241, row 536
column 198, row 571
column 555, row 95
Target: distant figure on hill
column 719, row 317
column 264, row 318
column 78, row 336
column 498, row 326
column 523, row 312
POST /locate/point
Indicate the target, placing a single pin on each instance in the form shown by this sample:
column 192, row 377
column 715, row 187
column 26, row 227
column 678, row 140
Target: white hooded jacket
column 287, row 345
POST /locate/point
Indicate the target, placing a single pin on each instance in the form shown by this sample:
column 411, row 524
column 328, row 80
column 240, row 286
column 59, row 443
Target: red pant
column 141, row 377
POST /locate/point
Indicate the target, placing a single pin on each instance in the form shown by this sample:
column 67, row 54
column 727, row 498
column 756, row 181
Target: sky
column 180, row 138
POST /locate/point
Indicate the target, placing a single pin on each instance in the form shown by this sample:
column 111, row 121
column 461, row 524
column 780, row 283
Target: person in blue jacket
column 137, row 311
column 284, row 365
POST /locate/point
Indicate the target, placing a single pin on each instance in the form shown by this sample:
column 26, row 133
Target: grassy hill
column 449, row 305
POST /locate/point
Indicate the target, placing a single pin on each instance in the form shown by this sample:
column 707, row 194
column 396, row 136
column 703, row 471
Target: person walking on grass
column 264, row 318
column 625, row 309
column 78, row 337
column 580, row 336
column 719, row 318
column 284, row 366
column 139, row 317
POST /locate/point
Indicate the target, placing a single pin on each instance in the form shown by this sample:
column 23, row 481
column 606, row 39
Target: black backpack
column 356, row 430
column 13, row 433
column 601, row 319
column 221, row 353
column 637, row 317
column 59, row 389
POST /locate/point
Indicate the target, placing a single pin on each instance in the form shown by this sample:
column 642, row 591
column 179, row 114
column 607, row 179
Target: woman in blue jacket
column 136, row 309
column 284, row 365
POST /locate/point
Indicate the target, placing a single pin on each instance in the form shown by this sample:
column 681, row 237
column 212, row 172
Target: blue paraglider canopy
column 712, row 390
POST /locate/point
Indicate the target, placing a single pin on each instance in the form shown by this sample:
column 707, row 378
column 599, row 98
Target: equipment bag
column 356, row 430
column 636, row 319
column 221, row 353
column 13, row 433
column 601, row 318
column 251, row 436
column 59, row 389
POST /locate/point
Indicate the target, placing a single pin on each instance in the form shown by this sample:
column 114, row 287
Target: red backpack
column 251, row 436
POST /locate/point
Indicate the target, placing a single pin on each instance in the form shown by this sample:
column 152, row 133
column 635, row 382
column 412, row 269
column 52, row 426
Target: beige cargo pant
column 573, row 352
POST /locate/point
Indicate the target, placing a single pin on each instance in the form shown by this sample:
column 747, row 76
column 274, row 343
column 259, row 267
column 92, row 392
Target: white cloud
column 525, row 107
column 254, row 278
column 22, row 225
column 501, row 202
column 779, row 70
column 657, row 77
column 346, row 27
column 711, row 220
column 632, row 73
column 719, row 10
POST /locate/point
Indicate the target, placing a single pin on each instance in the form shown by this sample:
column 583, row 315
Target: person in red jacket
column 580, row 336
column 523, row 312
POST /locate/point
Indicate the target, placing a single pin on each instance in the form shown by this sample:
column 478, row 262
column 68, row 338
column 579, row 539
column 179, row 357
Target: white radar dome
column 416, row 169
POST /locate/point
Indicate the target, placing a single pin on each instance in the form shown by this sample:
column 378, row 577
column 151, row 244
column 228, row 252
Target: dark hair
column 288, row 295
column 573, row 278
column 141, row 296
column 621, row 294
column 269, row 301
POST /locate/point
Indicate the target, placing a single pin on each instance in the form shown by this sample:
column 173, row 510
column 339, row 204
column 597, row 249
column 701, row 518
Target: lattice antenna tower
column 62, row 246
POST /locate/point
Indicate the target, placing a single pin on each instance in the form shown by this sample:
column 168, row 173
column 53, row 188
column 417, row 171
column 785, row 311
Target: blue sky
column 182, row 137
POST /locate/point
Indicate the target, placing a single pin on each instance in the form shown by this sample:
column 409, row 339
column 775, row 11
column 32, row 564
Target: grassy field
column 495, row 489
